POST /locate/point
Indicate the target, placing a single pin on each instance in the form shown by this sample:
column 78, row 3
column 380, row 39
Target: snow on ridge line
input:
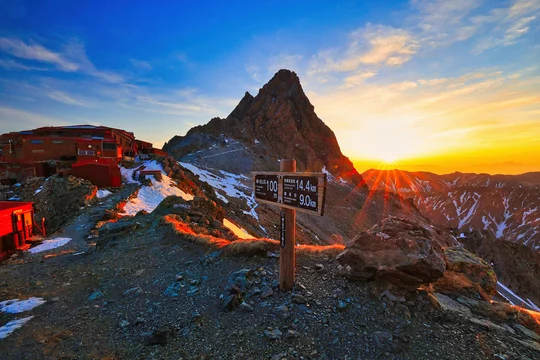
column 49, row 245
column 228, row 184
column 15, row 306
column 13, row 325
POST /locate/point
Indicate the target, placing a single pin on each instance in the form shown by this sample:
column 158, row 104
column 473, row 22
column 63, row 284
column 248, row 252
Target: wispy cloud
column 66, row 99
column 141, row 64
column 284, row 61
column 33, row 51
column 172, row 105
column 72, row 57
column 372, row 45
column 15, row 119
column 442, row 22
column 358, row 78
column 508, row 24
column 10, row 64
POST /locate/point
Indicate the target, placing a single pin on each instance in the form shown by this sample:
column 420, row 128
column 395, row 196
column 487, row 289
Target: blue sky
column 430, row 78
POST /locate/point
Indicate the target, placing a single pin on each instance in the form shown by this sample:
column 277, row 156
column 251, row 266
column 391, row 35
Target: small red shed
column 16, row 225
column 99, row 173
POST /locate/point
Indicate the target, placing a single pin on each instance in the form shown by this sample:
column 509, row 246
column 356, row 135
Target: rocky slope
column 280, row 122
column 148, row 292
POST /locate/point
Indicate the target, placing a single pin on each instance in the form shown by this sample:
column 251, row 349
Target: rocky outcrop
column 60, row 199
column 396, row 250
column 459, row 260
column 516, row 265
column 280, row 122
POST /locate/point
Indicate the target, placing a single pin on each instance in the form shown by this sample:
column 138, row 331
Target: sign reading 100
column 266, row 187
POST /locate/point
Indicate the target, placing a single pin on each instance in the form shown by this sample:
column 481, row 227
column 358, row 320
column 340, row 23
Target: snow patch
column 49, row 245
column 16, row 306
column 127, row 174
column 237, row 230
column 13, row 325
column 149, row 197
column 227, row 184
column 528, row 302
column 103, row 193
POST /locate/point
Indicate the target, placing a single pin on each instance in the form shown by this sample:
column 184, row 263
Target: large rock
column 474, row 268
column 396, row 250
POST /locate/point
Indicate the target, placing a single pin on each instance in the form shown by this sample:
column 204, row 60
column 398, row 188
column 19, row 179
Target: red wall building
column 72, row 145
column 16, row 225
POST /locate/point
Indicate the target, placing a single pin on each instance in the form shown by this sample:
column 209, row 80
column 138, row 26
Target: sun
column 389, row 159
column 390, row 153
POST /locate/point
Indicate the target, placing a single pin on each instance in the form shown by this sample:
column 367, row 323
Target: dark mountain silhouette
column 280, row 122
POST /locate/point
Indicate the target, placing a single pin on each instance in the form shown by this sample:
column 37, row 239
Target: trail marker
column 291, row 191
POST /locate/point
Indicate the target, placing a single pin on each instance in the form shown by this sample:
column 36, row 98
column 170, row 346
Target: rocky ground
column 150, row 294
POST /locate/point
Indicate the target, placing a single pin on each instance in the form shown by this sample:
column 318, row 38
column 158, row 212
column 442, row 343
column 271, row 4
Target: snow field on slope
column 49, row 244
column 149, row 197
column 227, row 184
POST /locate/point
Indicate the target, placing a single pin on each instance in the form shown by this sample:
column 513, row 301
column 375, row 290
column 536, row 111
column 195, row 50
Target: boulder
column 474, row 268
column 396, row 250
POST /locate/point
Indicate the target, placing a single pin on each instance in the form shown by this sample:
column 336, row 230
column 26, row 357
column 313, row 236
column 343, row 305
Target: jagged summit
column 279, row 122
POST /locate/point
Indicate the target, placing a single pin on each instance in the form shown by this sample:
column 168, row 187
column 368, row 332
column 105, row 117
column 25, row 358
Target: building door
column 28, row 227
column 18, row 222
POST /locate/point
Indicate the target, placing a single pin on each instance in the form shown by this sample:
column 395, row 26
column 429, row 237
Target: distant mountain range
column 508, row 206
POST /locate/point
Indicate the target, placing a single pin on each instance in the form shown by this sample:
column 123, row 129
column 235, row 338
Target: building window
column 109, row 146
column 36, row 141
column 58, row 141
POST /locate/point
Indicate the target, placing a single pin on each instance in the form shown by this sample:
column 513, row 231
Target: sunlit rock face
column 280, row 122
column 396, row 250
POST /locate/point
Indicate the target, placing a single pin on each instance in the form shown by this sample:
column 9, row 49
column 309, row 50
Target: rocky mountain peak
column 278, row 123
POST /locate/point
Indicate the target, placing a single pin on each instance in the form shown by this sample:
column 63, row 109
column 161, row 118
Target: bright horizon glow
column 436, row 85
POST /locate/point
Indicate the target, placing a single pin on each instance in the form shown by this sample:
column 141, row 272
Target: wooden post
column 287, row 256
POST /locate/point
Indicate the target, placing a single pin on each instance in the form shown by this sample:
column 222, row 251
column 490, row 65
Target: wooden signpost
column 291, row 191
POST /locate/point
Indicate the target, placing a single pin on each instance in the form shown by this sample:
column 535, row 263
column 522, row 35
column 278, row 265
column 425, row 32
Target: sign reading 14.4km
column 299, row 191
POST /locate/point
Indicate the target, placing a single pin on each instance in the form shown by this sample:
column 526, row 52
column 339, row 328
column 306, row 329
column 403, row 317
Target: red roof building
column 71, row 145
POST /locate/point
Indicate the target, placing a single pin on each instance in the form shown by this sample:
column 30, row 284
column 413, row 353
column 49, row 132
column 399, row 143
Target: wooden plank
column 287, row 255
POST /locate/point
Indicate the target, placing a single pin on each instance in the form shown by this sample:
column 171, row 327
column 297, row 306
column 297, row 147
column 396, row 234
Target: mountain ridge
column 279, row 122
column 507, row 206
